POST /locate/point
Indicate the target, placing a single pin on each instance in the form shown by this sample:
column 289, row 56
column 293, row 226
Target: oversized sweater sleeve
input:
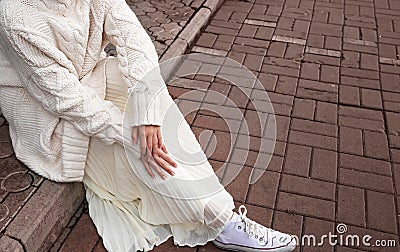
column 44, row 72
column 138, row 62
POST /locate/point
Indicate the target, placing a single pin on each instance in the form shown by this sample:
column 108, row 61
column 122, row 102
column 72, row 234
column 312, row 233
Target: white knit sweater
column 48, row 50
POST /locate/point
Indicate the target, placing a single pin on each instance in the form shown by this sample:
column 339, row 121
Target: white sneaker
column 243, row 234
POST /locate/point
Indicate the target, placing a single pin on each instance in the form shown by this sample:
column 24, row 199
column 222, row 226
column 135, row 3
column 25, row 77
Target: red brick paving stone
column 326, row 112
column 253, row 62
column 216, row 123
column 326, row 29
column 318, row 228
column 83, row 236
column 6, row 149
column 314, row 127
column 99, row 247
column 396, row 177
column 394, row 141
column 321, row 59
column 303, row 108
column 313, row 140
column 238, row 57
column 360, row 82
column 268, row 81
column 375, row 212
column 249, row 49
column 324, row 165
column 365, row 164
column 315, row 40
column 238, row 97
column 239, row 177
column 330, row 74
column 264, row 191
column 366, row 180
column 308, row 187
column 11, row 165
column 4, row 134
column 369, row 61
column 281, row 70
column 286, row 85
column 297, row 160
column 310, row 71
column 221, row 30
column 277, row 49
column 351, row 205
column 351, row 141
column 264, row 33
column 395, row 155
column 282, row 104
column 282, row 127
column 390, row 82
column 359, row 73
column 253, row 120
column 320, row 91
column 391, row 101
column 361, row 118
column 350, row 59
column 288, row 223
column 294, row 52
column 333, row 43
column 347, row 249
column 393, row 69
column 220, row 88
column 371, row 98
column 254, row 144
column 206, row 40
column 393, row 121
column 248, row 30
column 376, row 145
column 306, row 205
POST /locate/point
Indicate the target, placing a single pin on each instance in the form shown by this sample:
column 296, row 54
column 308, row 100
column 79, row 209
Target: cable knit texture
column 52, row 79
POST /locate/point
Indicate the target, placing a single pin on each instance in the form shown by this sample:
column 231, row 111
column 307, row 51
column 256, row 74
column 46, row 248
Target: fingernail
column 164, row 177
column 172, row 173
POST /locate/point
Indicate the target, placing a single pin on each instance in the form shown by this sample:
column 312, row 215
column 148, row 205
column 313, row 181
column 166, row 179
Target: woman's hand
column 152, row 150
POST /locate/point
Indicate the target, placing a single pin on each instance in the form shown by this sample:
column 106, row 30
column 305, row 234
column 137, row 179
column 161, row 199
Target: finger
column 135, row 135
column 163, row 148
column 150, row 144
column 160, row 141
column 164, row 165
column 155, row 142
column 167, row 158
column 157, row 168
column 147, row 167
column 142, row 138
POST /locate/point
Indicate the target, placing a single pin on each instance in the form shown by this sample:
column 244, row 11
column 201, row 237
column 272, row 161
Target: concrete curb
column 187, row 37
column 41, row 220
column 43, row 217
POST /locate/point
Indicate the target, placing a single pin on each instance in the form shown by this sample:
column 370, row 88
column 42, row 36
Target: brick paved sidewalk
column 331, row 71
column 163, row 20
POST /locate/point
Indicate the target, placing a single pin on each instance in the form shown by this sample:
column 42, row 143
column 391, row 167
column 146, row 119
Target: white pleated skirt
column 132, row 211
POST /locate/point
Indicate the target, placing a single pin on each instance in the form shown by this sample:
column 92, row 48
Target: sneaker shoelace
column 252, row 228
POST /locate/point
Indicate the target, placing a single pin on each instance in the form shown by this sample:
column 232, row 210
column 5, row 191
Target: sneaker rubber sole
column 233, row 247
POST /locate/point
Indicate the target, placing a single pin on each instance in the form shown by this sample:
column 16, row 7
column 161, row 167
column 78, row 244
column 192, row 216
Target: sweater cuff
column 146, row 109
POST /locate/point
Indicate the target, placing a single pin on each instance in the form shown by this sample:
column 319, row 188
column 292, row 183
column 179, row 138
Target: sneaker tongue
column 232, row 223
